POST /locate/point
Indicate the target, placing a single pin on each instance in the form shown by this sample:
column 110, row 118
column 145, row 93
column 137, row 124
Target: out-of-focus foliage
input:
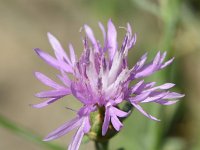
column 20, row 131
column 171, row 25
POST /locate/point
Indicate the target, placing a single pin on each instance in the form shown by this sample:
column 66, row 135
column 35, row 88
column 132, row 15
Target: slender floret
column 101, row 78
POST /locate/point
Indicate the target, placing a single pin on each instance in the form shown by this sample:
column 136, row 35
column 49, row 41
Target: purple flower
column 100, row 78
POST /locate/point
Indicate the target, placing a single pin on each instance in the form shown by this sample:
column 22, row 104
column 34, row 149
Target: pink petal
column 150, row 68
column 90, row 35
column 64, row 79
column 163, row 57
column 116, row 123
column 149, row 85
column 72, row 54
column 164, row 102
column 162, row 87
column 140, row 97
column 167, row 63
column 129, row 29
column 47, row 81
column 138, row 107
column 155, row 97
column 77, row 139
column 142, row 60
column 47, row 58
column 173, row 95
column 53, row 93
column 106, row 122
column 116, row 66
column 87, row 125
column 45, row 103
column 119, row 112
column 136, row 86
column 103, row 31
column 64, row 129
column 133, row 41
column 59, row 51
column 112, row 39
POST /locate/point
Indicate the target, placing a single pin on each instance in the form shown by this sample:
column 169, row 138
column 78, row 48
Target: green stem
column 101, row 145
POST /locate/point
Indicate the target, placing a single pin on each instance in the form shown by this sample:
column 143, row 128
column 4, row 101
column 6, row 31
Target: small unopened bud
column 97, row 119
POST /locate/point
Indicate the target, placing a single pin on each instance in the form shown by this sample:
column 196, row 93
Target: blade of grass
column 148, row 6
column 169, row 13
column 26, row 134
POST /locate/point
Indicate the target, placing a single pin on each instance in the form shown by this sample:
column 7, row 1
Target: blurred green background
column 166, row 25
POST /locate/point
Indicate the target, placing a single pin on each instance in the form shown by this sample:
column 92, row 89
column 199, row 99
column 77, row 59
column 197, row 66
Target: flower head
column 101, row 79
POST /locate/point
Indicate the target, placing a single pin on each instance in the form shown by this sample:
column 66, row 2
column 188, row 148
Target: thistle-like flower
column 101, row 80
